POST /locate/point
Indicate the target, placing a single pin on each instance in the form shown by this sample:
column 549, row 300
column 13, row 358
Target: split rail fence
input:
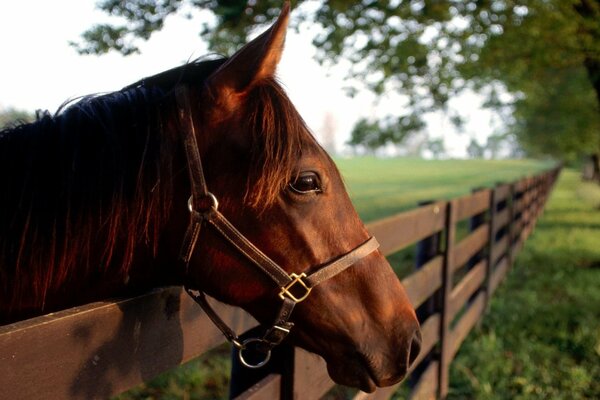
column 105, row 348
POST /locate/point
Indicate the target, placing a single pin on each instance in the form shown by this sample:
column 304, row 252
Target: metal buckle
column 246, row 363
column 285, row 291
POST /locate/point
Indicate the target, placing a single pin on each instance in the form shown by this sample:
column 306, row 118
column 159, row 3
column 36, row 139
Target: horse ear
column 254, row 62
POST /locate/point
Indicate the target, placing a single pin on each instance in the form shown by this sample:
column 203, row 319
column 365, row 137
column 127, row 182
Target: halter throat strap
column 294, row 288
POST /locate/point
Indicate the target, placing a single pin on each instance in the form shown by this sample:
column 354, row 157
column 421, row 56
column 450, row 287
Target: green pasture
column 381, row 187
column 541, row 337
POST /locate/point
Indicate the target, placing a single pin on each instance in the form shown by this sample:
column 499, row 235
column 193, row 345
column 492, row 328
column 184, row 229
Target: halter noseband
column 295, row 288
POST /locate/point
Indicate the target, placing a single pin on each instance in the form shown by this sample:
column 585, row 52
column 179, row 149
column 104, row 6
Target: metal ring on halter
column 246, row 363
column 214, row 203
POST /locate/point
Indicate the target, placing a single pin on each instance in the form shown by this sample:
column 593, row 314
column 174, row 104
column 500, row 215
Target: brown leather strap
column 345, row 261
column 251, row 252
column 200, row 298
column 198, row 183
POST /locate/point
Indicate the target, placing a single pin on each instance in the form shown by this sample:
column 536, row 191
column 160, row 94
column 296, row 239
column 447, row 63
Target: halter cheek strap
column 294, row 288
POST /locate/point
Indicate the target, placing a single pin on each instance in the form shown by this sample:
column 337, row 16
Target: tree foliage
column 374, row 134
column 474, row 149
column 426, row 50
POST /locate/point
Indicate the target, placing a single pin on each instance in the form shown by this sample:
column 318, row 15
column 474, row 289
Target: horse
column 95, row 203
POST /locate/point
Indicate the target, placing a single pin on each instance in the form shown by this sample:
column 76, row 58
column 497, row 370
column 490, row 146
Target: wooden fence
column 105, row 348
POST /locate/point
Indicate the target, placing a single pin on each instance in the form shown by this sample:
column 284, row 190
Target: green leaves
column 374, row 134
column 428, row 51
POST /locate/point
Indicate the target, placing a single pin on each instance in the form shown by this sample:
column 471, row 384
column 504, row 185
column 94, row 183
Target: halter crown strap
column 294, row 288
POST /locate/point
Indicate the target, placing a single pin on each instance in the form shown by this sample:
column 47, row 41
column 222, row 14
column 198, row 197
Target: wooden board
column 466, row 287
column 427, row 386
column 499, row 249
column 379, row 394
column 501, row 193
column 397, row 232
column 466, row 323
column 268, row 388
column 502, row 218
column 311, row 380
column 469, row 246
column 102, row 349
column 430, row 335
column 421, row 284
column 473, row 204
column 498, row 275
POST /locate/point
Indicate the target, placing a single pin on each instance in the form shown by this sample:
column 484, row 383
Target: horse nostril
column 415, row 347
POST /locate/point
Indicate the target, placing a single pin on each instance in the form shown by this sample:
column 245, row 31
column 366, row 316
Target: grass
column 503, row 358
column 382, row 187
column 541, row 337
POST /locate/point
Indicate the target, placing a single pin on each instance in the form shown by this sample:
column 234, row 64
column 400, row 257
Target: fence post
column 446, row 289
column 426, row 249
column 490, row 248
column 510, row 204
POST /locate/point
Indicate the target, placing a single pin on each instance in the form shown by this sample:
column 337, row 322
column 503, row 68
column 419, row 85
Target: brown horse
column 94, row 203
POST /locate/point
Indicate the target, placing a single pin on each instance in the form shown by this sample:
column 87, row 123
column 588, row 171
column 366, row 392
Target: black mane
column 92, row 173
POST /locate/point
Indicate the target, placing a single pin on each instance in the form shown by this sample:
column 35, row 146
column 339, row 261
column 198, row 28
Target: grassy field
column 541, row 338
column 382, row 187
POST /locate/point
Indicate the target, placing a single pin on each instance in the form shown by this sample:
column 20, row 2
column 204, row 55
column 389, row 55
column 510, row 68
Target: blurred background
column 416, row 100
column 440, row 79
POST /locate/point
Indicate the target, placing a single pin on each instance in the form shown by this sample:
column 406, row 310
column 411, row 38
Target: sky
column 39, row 70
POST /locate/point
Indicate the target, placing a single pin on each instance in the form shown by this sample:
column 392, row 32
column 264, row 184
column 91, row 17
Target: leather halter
column 295, row 288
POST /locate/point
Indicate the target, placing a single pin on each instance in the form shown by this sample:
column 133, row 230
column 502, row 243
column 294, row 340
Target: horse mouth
column 359, row 371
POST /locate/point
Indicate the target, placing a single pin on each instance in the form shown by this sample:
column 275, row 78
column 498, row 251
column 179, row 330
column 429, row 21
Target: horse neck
column 87, row 195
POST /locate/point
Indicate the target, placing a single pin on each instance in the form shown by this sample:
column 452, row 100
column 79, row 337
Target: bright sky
column 39, row 70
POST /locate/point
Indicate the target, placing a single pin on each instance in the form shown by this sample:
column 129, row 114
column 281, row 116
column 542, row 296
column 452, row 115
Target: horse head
column 284, row 194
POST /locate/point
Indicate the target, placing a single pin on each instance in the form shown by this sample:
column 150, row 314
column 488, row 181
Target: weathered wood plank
column 105, row 348
column 470, row 245
column 473, row 204
column 502, row 218
column 430, row 335
column 311, row 380
column 445, row 290
column 498, row 274
column 268, row 388
column 397, row 232
column 420, row 285
column 499, row 249
column 466, row 323
column 466, row 287
column 502, row 192
column 427, row 386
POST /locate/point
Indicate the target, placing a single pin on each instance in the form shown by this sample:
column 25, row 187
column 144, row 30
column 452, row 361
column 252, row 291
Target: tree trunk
column 591, row 169
column 590, row 11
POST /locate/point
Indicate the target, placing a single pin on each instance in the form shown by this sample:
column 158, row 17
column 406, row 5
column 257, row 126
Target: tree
column 426, row 50
column 436, row 147
column 494, row 144
column 559, row 117
column 474, row 149
column 374, row 134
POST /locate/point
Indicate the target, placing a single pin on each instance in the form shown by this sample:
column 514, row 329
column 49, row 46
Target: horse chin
column 358, row 372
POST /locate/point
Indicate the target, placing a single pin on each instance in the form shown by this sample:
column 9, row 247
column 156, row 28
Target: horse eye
column 306, row 183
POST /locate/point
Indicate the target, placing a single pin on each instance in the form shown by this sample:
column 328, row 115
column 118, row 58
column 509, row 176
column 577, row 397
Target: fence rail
column 105, row 348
